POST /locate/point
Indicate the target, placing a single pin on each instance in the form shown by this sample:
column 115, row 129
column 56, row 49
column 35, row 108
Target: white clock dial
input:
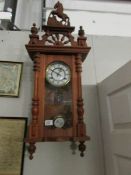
column 58, row 74
column 59, row 122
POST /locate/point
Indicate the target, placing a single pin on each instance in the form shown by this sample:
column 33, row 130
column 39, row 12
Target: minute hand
column 57, row 73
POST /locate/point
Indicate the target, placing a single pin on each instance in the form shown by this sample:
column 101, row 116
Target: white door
column 115, row 108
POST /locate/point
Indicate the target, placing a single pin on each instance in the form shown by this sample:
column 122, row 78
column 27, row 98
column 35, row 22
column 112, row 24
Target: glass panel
column 58, row 104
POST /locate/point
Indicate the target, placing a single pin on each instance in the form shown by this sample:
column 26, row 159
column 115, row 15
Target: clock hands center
column 57, row 73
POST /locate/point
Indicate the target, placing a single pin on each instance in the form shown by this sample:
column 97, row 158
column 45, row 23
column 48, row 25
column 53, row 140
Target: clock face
column 58, row 74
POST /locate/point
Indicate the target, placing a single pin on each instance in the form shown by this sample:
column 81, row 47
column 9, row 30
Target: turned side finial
column 33, row 36
column 81, row 32
column 34, row 29
column 81, row 38
column 82, row 148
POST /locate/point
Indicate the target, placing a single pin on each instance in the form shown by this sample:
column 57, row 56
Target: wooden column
column 81, row 128
column 34, row 128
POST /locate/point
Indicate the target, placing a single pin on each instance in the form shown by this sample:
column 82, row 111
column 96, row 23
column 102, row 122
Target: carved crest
column 58, row 37
column 57, row 32
column 57, row 17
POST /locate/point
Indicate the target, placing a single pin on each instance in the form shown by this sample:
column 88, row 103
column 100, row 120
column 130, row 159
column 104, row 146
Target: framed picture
column 12, row 134
column 10, row 76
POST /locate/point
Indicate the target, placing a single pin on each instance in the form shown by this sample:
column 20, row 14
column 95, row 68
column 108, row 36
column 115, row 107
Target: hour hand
column 57, row 73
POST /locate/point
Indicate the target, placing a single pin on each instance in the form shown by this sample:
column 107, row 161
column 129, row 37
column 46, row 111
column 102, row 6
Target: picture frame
column 10, row 78
column 12, row 145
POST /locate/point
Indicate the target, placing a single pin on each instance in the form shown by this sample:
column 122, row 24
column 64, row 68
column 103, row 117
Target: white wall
column 98, row 18
column 53, row 158
column 28, row 12
column 106, row 55
column 109, row 54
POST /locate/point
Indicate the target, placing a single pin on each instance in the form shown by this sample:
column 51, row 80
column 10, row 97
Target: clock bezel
column 51, row 82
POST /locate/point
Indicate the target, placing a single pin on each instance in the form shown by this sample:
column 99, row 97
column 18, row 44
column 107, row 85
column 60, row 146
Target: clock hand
column 57, row 73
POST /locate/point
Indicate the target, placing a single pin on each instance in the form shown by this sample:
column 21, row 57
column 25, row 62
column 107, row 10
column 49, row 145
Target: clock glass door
column 58, row 96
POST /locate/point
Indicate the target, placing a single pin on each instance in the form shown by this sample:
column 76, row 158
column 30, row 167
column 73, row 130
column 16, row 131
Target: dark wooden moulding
column 56, row 40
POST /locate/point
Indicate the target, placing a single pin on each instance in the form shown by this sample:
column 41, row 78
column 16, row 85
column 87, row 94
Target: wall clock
column 57, row 105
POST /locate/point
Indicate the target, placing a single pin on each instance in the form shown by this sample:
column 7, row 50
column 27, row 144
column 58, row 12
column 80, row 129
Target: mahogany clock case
column 57, row 101
column 57, row 104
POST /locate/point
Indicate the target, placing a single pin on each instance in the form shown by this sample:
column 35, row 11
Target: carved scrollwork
column 56, row 39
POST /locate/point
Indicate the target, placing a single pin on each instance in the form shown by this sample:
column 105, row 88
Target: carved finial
column 81, row 32
column 81, row 39
column 58, row 13
column 82, row 148
column 34, row 29
column 33, row 36
column 31, row 150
